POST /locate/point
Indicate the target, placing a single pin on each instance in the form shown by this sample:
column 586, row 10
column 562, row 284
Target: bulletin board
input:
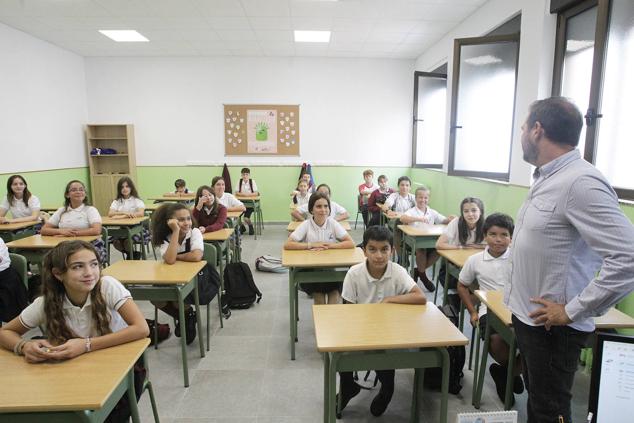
column 261, row 130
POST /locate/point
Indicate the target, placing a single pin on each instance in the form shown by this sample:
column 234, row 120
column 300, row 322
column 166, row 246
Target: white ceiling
column 360, row 28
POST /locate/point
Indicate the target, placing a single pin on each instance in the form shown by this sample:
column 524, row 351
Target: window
column 430, row 102
column 594, row 61
column 482, row 106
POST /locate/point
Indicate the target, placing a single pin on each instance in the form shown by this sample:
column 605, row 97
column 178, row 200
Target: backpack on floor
column 457, row 356
column 268, row 263
column 240, row 289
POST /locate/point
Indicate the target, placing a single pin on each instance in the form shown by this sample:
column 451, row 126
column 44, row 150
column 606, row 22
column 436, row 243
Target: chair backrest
column 359, row 203
column 210, row 255
column 18, row 262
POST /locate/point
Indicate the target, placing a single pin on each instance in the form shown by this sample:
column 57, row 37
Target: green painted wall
column 49, row 185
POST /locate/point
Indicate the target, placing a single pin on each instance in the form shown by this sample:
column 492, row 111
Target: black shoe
column 190, row 326
column 136, row 255
column 242, row 229
column 498, row 373
column 518, row 384
column 345, row 399
column 382, row 400
column 251, row 231
column 429, row 285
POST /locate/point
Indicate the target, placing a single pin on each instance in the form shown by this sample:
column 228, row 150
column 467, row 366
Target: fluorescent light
column 576, row 45
column 487, row 59
column 124, row 36
column 312, row 36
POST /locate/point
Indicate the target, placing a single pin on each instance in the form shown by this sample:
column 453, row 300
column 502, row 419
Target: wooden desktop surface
column 247, row 197
column 234, row 214
column 325, row 258
column 458, row 257
column 48, row 209
column 494, row 300
column 392, row 214
column 82, row 383
column 154, row 272
column 128, row 221
column 614, row 319
column 382, row 326
column 182, row 197
column 293, row 225
column 219, row 235
column 42, row 242
column 7, row 227
column 424, row 230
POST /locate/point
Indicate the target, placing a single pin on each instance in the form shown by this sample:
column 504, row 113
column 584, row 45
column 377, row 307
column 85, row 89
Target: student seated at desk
column 321, row 232
column 365, row 190
column 80, row 311
column 402, row 200
column 126, row 205
column 377, row 199
column 208, row 213
column 247, row 187
column 13, row 294
column 180, row 188
column 224, row 198
column 77, row 218
column 418, row 216
column 311, row 186
column 302, row 196
column 337, row 212
column 377, row 280
column 466, row 231
column 24, row 206
column 173, row 233
column 491, row 269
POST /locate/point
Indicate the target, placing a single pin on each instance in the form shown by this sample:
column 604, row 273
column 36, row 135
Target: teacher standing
column 569, row 228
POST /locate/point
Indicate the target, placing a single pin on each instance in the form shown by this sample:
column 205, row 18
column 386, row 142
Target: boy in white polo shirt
column 492, row 270
column 377, row 280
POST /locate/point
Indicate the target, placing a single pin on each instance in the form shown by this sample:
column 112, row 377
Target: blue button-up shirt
column 569, row 228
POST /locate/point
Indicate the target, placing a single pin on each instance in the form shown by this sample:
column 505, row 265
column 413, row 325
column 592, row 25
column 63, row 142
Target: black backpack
column 240, row 289
column 457, row 356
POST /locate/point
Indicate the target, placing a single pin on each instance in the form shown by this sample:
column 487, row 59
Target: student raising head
column 320, row 232
column 24, row 206
column 209, row 214
column 466, row 231
column 128, row 205
column 336, row 211
column 224, row 198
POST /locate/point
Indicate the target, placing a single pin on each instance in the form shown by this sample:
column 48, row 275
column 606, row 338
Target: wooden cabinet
column 107, row 169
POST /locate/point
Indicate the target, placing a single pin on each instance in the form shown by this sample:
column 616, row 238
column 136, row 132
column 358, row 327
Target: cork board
column 261, row 130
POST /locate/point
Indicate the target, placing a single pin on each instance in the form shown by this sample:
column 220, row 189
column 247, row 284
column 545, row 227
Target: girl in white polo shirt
column 24, row 206
column 419, row 216
column 128, row 204
column 76, row 218
column 337, row 212
column 224, row 198
column 321, row 232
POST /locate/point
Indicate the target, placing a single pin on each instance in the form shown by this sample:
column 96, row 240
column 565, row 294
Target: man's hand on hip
column 551, row 314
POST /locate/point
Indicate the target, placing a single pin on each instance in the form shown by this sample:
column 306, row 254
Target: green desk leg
column 480, row 370
column 292, row 292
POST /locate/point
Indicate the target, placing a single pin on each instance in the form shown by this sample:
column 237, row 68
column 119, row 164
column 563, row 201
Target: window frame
column 455, row 88
column 415, row 120
column 593, row 112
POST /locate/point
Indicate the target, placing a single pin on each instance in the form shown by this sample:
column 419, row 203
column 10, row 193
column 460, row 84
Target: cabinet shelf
column 110, row 155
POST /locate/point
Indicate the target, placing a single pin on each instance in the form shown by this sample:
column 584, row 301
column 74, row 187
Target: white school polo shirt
column 246, row 189
column 432, row 216
column 83, row 217
column 309, row 231
column 5, row 260
column 302, row 200
column 228, row 200
column 335, row 209
column 492, row 273
column 196, row 242
column 79, row 319
column 400, row 204
column 359, row 287
column 19, row 209
column 451, row 232
column 127, row 205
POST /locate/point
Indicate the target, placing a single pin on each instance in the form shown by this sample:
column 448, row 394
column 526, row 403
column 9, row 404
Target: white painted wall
column 42, row 104
column 353, row 111
column 534, row 79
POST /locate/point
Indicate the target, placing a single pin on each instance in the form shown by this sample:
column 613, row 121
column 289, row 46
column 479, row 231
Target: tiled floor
column 248, row 377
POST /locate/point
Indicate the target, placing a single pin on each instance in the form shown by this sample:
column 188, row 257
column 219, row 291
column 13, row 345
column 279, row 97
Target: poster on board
column 261, row 131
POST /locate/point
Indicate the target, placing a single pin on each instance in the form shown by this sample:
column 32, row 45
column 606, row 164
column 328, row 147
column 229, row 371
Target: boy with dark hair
column 377, row 280
column 246, row 187
column 492, row 270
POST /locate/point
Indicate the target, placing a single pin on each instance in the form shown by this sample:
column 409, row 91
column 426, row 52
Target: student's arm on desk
column 414, row 296
column 443, row 244
column 35, row 215
column 299, row 216
column 34, row 350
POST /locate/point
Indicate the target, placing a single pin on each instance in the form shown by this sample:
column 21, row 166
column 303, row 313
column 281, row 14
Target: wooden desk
column 183, row 198
column 499, row 318
column 306, row 266
column 294, row 225
column 85, row 388
column 126, row 228
column 13, row 231
column 35, row 247
column 454, row 262
column 374, row 336
column 234, row 215
column 389, row 216
column 254, row 203
column 48, row 209
column 155, row 280
column 416, row 237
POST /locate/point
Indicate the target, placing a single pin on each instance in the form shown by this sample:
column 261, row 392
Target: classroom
column 437, row 91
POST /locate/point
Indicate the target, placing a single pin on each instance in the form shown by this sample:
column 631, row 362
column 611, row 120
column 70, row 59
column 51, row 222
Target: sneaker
column 190, row 326
column 498, row 373
column 163, row 331
column 382, row 400
column 251, row 231
column 345, row 399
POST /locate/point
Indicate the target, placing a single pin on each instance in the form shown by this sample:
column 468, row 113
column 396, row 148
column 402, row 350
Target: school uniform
column 363, row 200
column 400, row 204
column 229, row 201
column 432, row 216
column 132, row 205
column 211, row 222
column 300, row 200
column 452, row 234
column 377, row 197
column 491, row 273
column 13, row 294
column 335, row 210
column 309, row 231
column 79, row 319
column 193, row 241
column 18, row 209
column 249, row 187
column 82, row 217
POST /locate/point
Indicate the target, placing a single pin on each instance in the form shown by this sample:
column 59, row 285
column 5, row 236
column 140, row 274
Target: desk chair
column 106, row 241
column 359, row 211
column 18, row 262
column 210, row 256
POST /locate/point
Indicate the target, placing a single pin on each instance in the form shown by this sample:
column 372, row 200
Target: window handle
column 418, row 120
column 454, row 127
column 592, row 116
